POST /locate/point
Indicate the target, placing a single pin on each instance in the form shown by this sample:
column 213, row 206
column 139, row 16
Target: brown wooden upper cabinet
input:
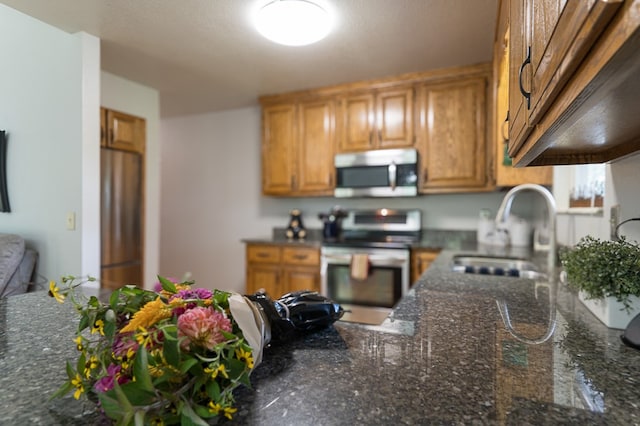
column 121, row 131
column 298, row 146
column 572, row 80
column 453, row 133
column 505, row 174
column 442, row 113
column 377, row 119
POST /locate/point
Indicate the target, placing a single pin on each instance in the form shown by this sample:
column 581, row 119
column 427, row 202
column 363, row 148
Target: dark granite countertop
column 444, row 356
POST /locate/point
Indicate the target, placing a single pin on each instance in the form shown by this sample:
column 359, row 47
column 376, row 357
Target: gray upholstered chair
column 17, row 265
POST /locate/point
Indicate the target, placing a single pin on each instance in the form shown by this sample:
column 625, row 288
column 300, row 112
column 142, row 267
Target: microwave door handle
column 392, row 169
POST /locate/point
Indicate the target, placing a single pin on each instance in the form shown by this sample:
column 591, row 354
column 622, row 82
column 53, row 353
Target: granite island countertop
column 444, row 356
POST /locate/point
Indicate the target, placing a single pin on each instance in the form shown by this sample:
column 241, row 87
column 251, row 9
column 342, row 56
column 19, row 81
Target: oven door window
column 382, row 287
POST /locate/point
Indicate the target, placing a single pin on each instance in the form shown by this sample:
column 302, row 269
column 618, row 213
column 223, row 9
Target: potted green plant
column 607, row 276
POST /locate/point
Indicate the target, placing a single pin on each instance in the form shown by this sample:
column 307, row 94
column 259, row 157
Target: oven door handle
column 375, row 260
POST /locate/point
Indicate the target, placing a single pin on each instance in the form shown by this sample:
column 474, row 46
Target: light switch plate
column 71, row 221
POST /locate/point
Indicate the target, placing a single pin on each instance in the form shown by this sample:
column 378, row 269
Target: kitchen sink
column 501, row 266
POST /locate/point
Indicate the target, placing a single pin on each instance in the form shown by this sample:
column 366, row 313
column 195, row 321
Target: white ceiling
column 204, row 55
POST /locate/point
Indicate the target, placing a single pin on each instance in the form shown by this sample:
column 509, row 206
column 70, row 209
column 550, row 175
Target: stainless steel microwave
column 379, row 173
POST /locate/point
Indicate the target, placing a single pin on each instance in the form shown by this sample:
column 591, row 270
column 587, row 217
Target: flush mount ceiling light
column 293, row 22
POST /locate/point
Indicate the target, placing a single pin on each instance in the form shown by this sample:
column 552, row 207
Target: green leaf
column 62, row 390
column 167, row 285
column 110, row 406
column 113, row 299
column 83, row 323
column 213, row 390
column 71, row 373
column 171, row 350
column 203, row 411
column 81, row 364
column 187, row 364
column 190, row 418
column 123, row 401
column 109, row 329
column 141, row 370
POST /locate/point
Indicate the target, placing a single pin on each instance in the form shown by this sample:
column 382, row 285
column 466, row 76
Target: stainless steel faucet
column 505, row 209
column 501, row 218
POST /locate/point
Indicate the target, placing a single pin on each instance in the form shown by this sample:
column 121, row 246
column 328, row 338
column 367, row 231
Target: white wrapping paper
column 251, row 323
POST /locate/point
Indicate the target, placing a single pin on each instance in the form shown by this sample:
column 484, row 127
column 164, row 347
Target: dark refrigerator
column 121, row 218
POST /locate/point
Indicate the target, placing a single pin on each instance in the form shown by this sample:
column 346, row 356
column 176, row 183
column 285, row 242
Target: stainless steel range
column 367, row 268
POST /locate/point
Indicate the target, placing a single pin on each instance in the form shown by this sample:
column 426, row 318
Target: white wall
column 132, row 98
column 48, row 106
column 211, row 198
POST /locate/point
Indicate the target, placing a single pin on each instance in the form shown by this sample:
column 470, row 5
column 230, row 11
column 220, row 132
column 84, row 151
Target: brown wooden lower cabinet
column 279, row 268
column 420, row 261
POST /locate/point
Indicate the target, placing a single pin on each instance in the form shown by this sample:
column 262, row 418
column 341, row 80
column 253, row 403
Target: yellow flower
column 245, row 356
column 98, row 327
column 148, row 315
column 214, row 371
column 217, row 409
column 143, row 337
column 92, row 364
column 77, row 382
column 54, row 292
column 78, row 342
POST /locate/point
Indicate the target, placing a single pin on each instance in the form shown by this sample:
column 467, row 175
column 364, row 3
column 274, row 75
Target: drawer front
column 263, row 254
column 301, row 256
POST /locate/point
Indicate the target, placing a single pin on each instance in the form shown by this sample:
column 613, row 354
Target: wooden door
column 454, row 149
column 316, row 147
column 357, row 118
column 278, row 149
column 394, row 118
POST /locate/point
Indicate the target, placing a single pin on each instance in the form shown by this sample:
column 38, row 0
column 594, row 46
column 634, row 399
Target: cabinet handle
column 425, row 176
column 379, row 136
column 300, row 256
column 262, row 254
column 526, row 94
column 370, row 137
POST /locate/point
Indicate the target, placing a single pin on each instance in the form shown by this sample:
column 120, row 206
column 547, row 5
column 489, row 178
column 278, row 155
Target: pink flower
column 113, row 373
column 202, row 327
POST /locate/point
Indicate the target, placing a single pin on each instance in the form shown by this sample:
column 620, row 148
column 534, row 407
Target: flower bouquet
column 171, row 356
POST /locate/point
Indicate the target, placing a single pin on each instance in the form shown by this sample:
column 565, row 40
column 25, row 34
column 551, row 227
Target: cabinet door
column 519, row 74
column 549, row 40
column 301, row 278
column 421, row 259
column 453, row 147
column 505, row 173
column 264, row 277
column 394, row 118
column 316, row 147
column 125, row 132
column 562, row 32
column 278, row 149
column 357, row 122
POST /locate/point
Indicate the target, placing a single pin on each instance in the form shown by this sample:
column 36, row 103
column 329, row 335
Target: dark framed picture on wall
column 4, row 195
